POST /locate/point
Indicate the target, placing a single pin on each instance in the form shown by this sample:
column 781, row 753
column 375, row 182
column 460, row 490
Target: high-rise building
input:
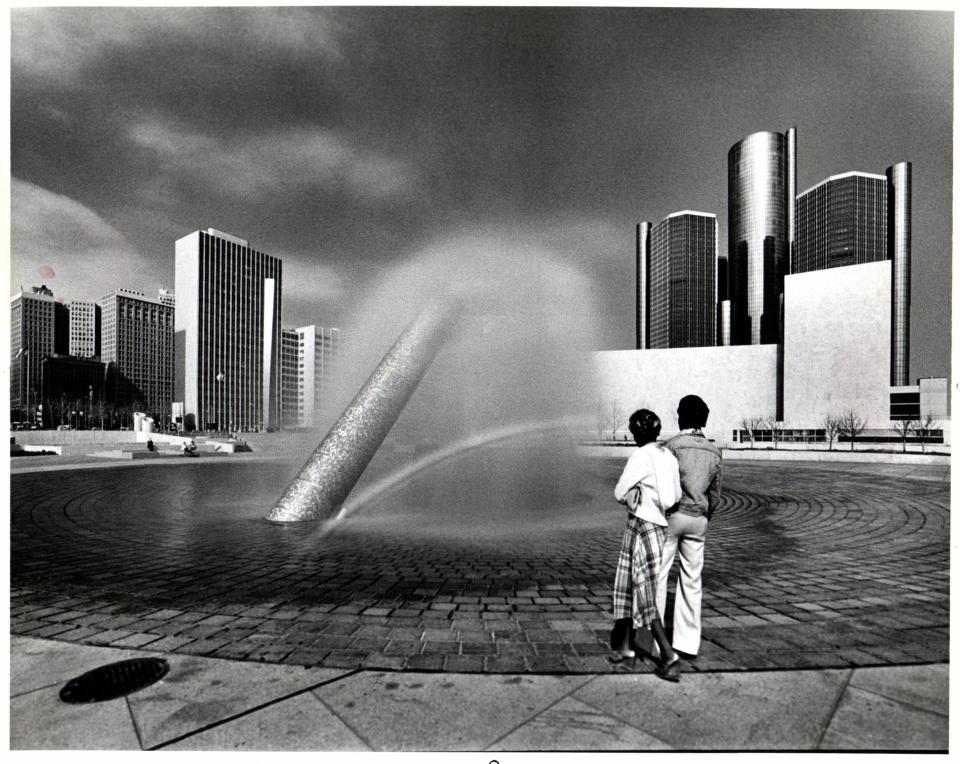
column 643, row 285
column 32, row 330
column 84, row 329
column 841, row 221
column 899, row 230
column 167, row 297
column 227, row 342
column 761, row 187
column 311, row 355
column 137, row 346
column 289, row 378
column 857, row 218
column 683, row 281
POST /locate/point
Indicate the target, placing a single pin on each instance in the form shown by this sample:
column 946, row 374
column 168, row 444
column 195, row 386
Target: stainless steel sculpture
column 325, row 481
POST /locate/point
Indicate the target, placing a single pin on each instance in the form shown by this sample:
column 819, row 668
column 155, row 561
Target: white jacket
column 654, row 471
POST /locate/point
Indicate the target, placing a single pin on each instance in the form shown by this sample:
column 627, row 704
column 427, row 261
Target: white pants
column 686, row 534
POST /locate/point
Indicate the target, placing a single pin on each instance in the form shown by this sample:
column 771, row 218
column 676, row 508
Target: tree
column 61, row 407
column 904, row 427
column 751, row 425
column 831, row 427
column 927, row 423
column 616, row 413
column 99, row 410
column 603, row 419
column 852, row 425
column 775, row 427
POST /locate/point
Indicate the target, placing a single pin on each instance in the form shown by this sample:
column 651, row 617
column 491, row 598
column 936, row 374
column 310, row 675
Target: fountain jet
column 325, row 481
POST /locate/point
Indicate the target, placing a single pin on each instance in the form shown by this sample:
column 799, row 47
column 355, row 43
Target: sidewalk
column 215, row 704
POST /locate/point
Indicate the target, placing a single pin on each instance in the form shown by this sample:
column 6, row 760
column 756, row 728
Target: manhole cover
column 114, row 680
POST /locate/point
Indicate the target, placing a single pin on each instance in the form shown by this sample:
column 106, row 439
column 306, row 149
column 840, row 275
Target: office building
column 137, row 346
column 857, row 218
column 84, row 333
column 289, row 378
column 761, row 187
column 311, row 356
column 227, row 343
column 643, row 285
column 79, row 383
column 32, row 329
column 682, row 273
column 167, row 297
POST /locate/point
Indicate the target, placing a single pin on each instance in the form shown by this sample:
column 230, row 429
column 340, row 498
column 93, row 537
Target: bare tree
column 927, row 423
column 603, row 419
column 776, row 429
column 904, row 427
column 61, row 407
column 616, row 413
column 831, row 427
column 751, row 425
column 99, row 410
column 851, row 425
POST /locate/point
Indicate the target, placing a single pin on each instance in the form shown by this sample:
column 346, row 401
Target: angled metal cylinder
column 325, row 481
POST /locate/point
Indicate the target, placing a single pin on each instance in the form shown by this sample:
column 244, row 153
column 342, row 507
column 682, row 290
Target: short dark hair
column 692, row 412
column 644, row 425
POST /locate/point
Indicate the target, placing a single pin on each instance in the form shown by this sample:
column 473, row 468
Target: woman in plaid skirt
column 649, row 485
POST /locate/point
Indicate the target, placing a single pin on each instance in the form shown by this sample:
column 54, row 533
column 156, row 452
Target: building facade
column 85, row 318
column 227, row 334
column 682, row 302
column 841, row 221
column 643, row 285
column 32, row 330
column 310, row 361
column 761, row 186
column 137, row 346
column 858, row 218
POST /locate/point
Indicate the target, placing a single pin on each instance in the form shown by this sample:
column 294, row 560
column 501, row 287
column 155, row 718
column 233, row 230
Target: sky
column 345, row 140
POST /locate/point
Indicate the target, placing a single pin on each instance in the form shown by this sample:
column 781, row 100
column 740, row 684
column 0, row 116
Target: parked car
column 64, row 426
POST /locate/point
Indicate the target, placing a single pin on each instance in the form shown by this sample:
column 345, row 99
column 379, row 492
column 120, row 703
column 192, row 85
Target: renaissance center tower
column 761, row 187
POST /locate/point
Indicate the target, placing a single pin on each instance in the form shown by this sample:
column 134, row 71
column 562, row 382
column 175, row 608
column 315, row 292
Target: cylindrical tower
column 643, row 285
column 898, row 230
column 791, row 172
column 760, row 173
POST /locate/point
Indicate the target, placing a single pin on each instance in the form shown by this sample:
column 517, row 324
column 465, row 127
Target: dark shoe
column 669, row 671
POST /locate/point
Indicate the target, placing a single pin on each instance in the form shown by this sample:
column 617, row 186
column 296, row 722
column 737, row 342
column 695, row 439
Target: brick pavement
column 807, row 566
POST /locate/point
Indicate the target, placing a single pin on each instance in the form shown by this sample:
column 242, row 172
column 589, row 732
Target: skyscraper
column 643, row 285
column 841, row 221
column 85, row 318
column 761, row 186
column 856, row 218
column 31, row 340
column 227, row 342
column 137, row 346
column 683, row 281
column 311, row 355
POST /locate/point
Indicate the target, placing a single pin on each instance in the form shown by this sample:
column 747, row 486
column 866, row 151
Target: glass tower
column 683, row 281
column 841, row 221
column 761, row 186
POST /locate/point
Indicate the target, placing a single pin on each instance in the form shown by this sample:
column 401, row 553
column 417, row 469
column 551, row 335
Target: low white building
column 835, row 358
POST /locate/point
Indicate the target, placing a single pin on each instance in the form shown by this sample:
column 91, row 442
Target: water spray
column 326, row 479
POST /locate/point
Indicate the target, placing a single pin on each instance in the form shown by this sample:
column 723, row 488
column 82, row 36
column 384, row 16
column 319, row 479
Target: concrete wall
column 736, row 382
column 837, row 344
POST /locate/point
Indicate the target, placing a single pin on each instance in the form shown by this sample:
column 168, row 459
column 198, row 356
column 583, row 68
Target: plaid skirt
column 638, row 568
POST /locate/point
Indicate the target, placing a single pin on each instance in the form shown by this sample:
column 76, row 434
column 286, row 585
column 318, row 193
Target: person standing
column 700, row 469
column 649, row 485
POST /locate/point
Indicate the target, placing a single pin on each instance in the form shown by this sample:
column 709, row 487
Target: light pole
column 220, row 378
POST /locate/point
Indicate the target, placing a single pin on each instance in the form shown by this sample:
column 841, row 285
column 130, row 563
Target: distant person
column 700, row 463
column 649, row 485
column 189, row 447
column 150, row 446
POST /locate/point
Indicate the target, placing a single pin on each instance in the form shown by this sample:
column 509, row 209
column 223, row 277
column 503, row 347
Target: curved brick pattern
column 807, row 565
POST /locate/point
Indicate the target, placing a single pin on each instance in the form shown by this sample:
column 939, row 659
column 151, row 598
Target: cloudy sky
column 345, row 140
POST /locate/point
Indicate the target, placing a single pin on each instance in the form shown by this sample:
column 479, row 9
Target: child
column 649, row 485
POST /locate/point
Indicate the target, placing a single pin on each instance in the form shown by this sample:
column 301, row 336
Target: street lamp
column 219, row 413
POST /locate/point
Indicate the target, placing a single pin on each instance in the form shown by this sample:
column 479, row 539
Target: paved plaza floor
column 826, row 610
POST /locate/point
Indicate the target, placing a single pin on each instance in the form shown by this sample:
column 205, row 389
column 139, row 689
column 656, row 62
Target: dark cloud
column 343, row 138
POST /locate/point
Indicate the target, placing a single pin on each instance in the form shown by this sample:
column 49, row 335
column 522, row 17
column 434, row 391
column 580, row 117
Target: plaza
column 826, row 611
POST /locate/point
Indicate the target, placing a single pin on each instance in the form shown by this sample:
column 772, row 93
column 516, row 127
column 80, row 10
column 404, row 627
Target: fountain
column 526, row 365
